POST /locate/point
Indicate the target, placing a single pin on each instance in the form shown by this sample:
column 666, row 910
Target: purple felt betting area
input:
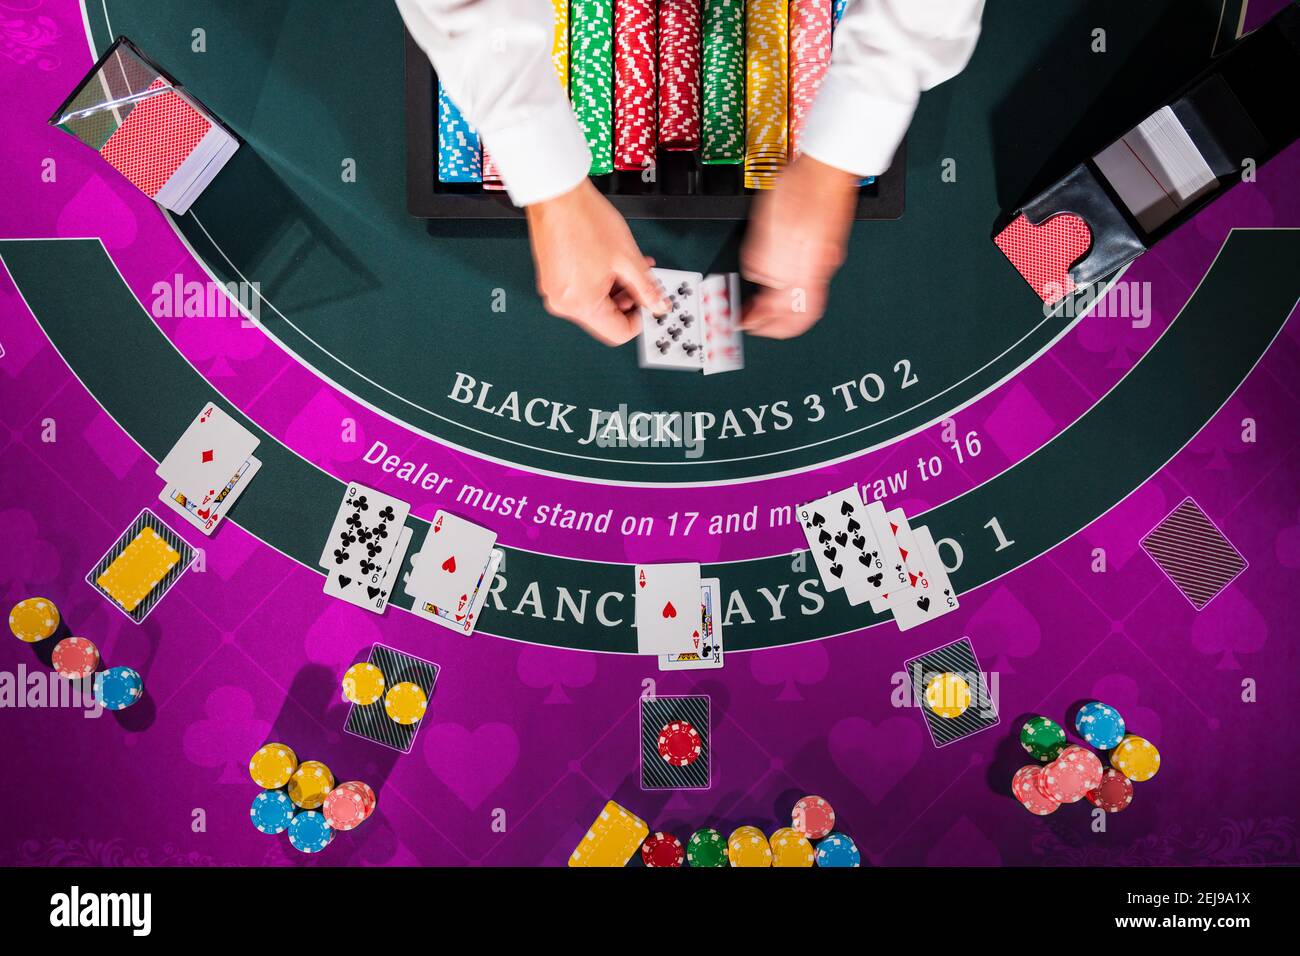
column 250, row 650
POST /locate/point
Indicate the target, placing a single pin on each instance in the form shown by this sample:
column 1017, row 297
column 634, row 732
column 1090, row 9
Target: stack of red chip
column 810, row 57
column 1071, row 775
column 1114, row 793
column 491, row 175
column 679, row 74
column 1025, row 786
column 634, row 84
column 662, row 849
column 679, row 743
column 349, row 805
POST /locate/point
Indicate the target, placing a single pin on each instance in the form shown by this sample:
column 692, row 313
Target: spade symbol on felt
column 450, row 565
column 669, row 610
column 923, row 603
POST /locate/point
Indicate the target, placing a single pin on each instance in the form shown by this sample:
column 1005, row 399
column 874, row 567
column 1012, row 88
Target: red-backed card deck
column 1044, row 253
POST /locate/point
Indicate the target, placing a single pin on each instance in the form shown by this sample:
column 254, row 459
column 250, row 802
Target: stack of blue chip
column 118, row 687
column 272, row 811
column 310, row 832
column 460, row 158
column 838, row 849
column 1100, row 724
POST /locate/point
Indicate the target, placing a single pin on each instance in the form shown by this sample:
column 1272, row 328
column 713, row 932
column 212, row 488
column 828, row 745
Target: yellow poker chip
column 405, row 702
column 34, row 619
column 138, row 569
column 310, row 784
column 948, row 695
column 1136, row 758
column 747, row 846
column 363, row 684
column 272, row 766
column 790, row 848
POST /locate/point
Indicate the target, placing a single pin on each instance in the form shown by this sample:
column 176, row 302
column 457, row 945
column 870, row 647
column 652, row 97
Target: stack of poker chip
column 37, row 619
column 560, row 42
column 303, row 800
column 810, row 57
column 1068, row 773
column 679, row 74
column 724, row 82
column 814, row 818
column 662, row 850
column 33, row 620
column 459, row 156
column 118, row 687
column 679, row 743
column 591, row 78
column 491, row 175
column 766, row 78
column 634, row 84
column 75, row 658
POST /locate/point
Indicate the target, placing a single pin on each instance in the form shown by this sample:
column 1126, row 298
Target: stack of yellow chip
column 614, row 836
column 34, row 619
column 405, row 703
column 560, row 42
column 747, row 846
column 310, row 784
column 767, row 74
column 1136, row 758
column 363, row 684
column 138, row 569
column 791, row 848
column 272, row 766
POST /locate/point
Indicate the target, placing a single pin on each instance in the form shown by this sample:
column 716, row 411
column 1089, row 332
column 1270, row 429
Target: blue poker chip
column 1100, row 724
column 272, row 811
column 310, row 832
column 118, row 687
column 838, row 849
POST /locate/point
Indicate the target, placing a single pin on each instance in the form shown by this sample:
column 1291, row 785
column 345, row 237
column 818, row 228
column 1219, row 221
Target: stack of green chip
column 1043, row 738
column 724, row 82
column 706, row 848
column 591, row 78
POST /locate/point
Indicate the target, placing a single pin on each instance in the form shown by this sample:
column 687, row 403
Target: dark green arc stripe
column 1065, row 485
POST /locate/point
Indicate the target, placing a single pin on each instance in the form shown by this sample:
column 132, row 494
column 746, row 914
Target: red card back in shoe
column 154, row 139
column 1043, row 254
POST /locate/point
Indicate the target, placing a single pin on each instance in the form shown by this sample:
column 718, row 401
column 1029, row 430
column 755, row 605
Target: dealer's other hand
column 589, row 269
column 795, row 242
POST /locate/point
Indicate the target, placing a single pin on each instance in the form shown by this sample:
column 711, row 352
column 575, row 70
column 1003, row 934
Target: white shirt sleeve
column 885, row 53
column 494, row 59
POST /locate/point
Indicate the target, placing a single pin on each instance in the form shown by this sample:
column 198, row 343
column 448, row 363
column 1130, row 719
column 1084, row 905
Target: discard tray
column 683, row 187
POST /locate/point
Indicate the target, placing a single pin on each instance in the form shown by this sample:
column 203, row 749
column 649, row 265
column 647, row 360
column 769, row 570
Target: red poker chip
column 1071, row 775
column 679, row 743
column 662, row 849
column 1114, row 793
column 344, row 808
column 813, row 817
column 75, row 658
column 1025, row 787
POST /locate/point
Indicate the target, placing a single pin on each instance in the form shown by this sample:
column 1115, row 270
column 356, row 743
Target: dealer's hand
column 589, row 269
column 795, row 242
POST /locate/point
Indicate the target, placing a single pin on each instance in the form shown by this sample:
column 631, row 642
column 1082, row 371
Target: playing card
column 667, row 608
column 902, row 562
column 709, row 654
column 207, row 517
column 720, row 309
column 373, row 592
column 451, row 563
column 467, row 620
column 207, row 454
column 933, row 596
column 155, row 138
column 674, row 340
column 364, row 526
column 843, row 545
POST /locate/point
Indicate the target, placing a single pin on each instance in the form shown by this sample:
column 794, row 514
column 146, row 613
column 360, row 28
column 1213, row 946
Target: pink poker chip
column 813, row 817
column 1071, row 775
column 1024, row 785
column 346, row 806
column 75, row 658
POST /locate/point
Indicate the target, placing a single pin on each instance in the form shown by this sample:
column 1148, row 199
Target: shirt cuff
column 541, row 158
column 853, row 130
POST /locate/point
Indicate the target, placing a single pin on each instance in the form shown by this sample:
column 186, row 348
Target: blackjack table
column 360, row 343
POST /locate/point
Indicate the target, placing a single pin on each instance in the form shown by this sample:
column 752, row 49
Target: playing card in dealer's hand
column 674, row 340
column 668, row 608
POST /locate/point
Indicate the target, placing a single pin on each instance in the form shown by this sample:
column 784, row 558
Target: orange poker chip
column 679, row 743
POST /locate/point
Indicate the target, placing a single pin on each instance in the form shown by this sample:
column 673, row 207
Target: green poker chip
column 591, row 78
column 706, row 848
column 1042, row 738
column 723, row 67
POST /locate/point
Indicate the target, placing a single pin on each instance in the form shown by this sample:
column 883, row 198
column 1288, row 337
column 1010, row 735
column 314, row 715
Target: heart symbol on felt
column 923, row 603
column 450, row 565
column 669, row 610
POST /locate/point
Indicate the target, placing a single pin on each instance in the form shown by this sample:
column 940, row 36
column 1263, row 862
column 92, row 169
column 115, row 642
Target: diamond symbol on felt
column 207, row 456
